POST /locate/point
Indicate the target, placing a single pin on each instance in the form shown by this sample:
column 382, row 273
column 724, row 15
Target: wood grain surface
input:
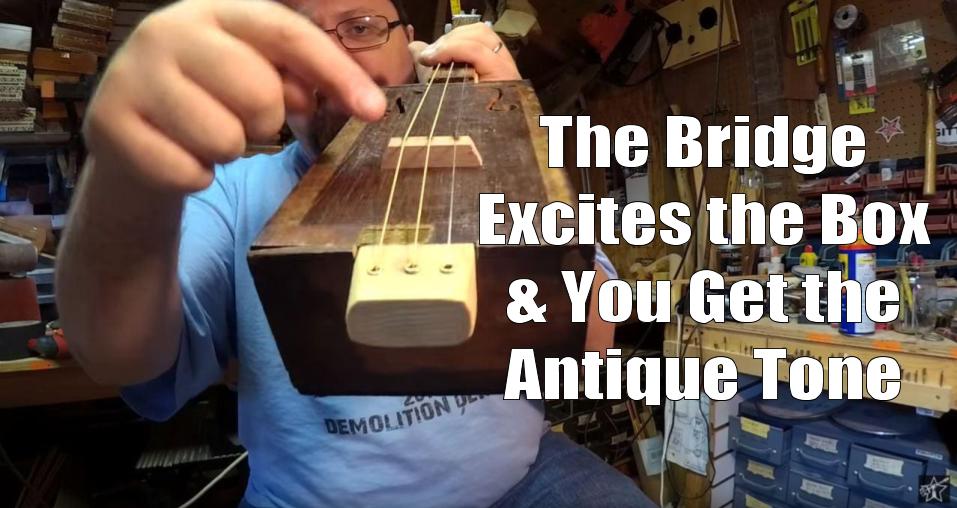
column 302, row 262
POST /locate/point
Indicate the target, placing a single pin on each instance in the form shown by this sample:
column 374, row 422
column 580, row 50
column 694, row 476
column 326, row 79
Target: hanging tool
column 806, row 28
column 930, row 135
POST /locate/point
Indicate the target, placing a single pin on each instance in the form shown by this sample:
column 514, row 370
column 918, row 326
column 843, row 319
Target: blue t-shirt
column 320, row 451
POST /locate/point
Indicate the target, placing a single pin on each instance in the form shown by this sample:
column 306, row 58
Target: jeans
column 566, row 475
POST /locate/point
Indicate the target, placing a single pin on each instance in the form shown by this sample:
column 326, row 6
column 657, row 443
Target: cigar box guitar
column 371, row 273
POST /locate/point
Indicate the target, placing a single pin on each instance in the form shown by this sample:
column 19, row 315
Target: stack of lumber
column 15, row 116
column 82, row 27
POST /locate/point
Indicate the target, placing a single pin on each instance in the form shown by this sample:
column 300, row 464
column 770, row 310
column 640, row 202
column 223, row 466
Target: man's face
column 389, row 63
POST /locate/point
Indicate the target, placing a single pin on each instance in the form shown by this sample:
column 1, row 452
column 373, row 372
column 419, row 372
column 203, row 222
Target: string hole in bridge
column 375, row 270
column 411, row 268
column 447, row 268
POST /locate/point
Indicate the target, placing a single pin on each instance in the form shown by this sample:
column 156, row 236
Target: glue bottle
column 808, row 257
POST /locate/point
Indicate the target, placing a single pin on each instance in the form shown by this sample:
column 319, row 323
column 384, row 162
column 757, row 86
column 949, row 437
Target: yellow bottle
column 808, row 257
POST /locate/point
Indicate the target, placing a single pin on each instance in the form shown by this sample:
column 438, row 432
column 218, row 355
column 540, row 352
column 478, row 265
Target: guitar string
column 425, row 168
column 455, row 145
column 398, row 164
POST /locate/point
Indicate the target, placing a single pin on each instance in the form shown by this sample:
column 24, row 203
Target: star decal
column 890, row 128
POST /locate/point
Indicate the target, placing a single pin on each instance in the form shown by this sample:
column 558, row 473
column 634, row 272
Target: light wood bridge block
column 466, row 155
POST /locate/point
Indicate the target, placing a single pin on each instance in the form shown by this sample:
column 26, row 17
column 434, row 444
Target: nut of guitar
column 412, row 295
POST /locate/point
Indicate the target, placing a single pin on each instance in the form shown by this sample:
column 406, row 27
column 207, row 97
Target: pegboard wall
column 901, row 94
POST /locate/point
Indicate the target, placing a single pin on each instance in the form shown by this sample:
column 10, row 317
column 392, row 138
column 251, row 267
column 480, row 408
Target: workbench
column 928, row 368
column 37, row 382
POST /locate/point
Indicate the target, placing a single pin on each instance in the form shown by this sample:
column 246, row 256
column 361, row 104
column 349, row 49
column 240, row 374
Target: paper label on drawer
column 927, row 454
column 817, row 489
column 884, row 465
column 760, row 469
column 870, row 503
column 953, row 477
column 825, row 444
column 619, row 408
column 757, row 428
column 750, row 502
column 585, row 419
column 618, row 438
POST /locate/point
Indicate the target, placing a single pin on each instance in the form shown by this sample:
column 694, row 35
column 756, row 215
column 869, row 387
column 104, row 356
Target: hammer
column 930, row 134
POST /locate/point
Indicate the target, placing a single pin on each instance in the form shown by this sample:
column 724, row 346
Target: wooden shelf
column 42, row 138
column 35, row 382
column 33, row 365
column 929, row 368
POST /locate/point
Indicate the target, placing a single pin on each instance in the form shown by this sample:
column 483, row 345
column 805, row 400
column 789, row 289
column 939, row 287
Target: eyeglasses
column 364, row 32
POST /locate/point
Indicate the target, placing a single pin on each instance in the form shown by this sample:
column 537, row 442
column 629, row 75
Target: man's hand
column 476, row 45
column 192, row 83
column 199, row 78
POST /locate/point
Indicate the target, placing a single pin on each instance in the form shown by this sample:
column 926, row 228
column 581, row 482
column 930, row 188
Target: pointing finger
column 292, row 42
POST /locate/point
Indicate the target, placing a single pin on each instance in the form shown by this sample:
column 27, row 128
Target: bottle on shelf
column 770, row 261
column 808, row 257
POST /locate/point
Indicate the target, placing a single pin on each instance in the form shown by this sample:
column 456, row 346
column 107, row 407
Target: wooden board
column 929, row 368
column 64, row 61
column 35, row 381
column 697, row 41
column 302, row 262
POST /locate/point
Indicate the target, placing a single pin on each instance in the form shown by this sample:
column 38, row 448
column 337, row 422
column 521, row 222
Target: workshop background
column 884, row 65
